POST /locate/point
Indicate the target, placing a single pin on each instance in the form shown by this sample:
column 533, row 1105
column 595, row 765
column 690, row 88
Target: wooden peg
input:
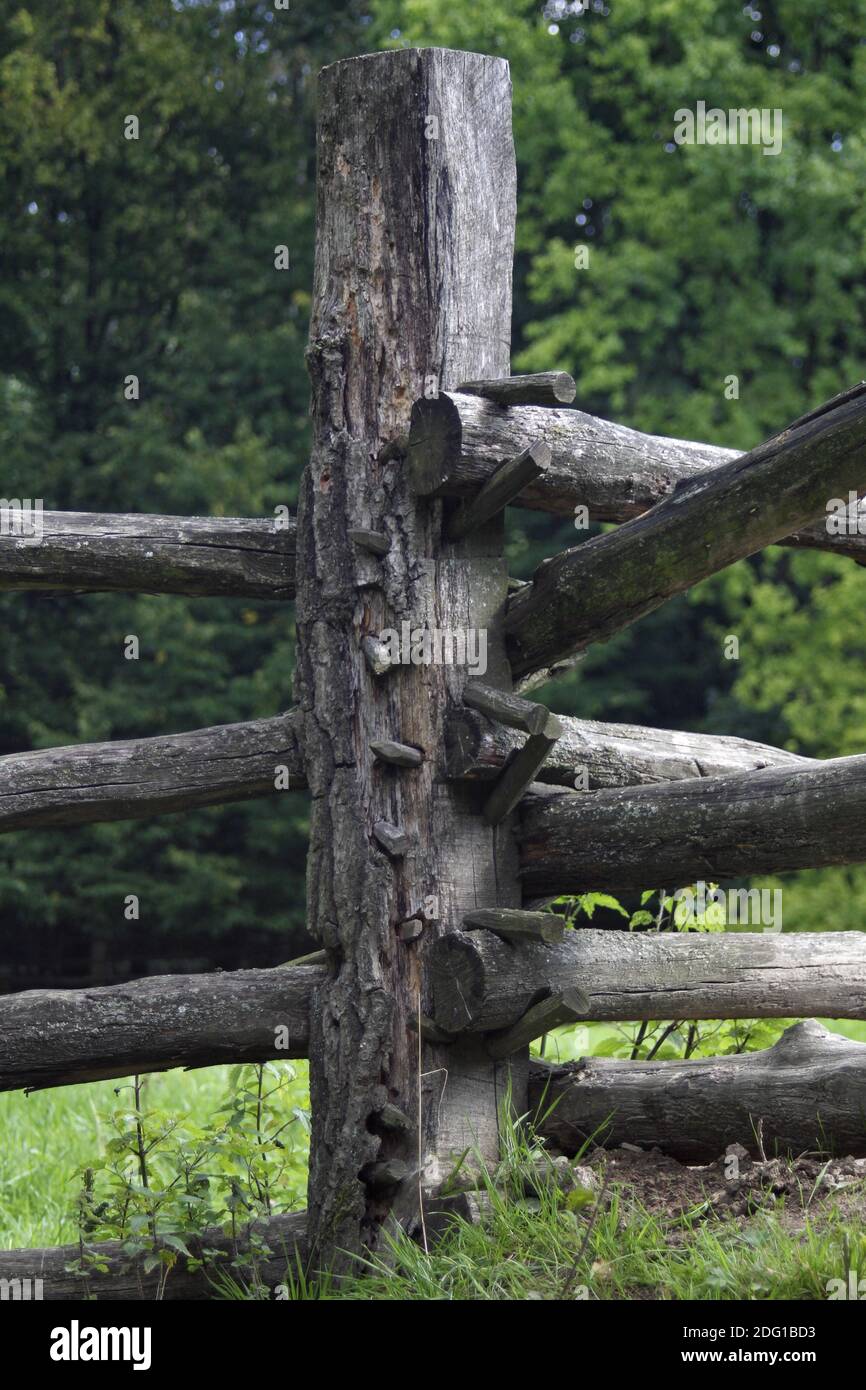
column 377, row 655
column 398, row 754
column 551, row 1013
column 512, row 924
column 392, row 839
column 508, row 709
column 539, row 388
column 508, row 481
column 375, row 541
column 519, row 771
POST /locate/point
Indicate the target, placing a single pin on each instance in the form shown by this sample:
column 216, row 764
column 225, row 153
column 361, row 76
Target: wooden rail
column 806, row 1094
column 59, row 1037
column 129, row 779
column 95, row 552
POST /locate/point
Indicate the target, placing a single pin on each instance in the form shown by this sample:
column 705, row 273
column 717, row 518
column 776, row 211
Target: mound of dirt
column 736, row 1185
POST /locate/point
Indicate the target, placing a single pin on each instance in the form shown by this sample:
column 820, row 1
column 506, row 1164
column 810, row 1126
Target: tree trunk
column 590, row 592
column 677, row 833
column 416, row 201
column 483, row 984
column 807, row 1094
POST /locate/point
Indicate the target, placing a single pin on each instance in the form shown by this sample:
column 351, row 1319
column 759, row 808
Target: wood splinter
column 512, row 924
column 552, row 1012
column 538, row 388
column 397, row 754
column 506, row 483
column 519, row 771
column 375, row 541
column 391, row 838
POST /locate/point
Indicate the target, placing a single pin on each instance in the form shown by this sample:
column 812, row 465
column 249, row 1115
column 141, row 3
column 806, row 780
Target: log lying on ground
column 606, row 755
column 92, row 552
column 128, row 779
column 807, row 1094
column 590, row 592
column 125, row 1279
column 59, row 1037
column 675, row 833
column 457, row 441
column 483, row 984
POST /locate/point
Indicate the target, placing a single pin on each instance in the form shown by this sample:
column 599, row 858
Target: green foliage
column 165, row 1176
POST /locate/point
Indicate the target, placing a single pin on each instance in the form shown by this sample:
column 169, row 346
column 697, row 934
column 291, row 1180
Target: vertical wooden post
column 415, row 229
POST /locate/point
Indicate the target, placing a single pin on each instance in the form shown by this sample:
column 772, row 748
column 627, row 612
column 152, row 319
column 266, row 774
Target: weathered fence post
column 416, row 208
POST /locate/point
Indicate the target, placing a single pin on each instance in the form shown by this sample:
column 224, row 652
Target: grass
column 50, row 1136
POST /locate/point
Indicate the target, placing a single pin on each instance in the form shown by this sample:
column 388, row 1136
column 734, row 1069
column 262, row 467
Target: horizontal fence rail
column 483, row 984
column 807, row 1094
column 124, row 1277
column 129, row 779
column 609, row 755
column 61, row 1036
column 724, row 514
column 94, row 552
column 458, row 441
column 675, row 833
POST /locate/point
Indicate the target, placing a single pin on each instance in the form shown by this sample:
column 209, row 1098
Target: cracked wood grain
column 412, row 281
column 92, row 552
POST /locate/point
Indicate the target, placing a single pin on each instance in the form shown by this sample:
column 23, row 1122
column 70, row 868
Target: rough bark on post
column 416, row 206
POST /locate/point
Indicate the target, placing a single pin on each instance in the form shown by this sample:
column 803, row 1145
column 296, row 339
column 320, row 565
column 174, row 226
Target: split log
column 92, row 552
column 594, row 755
column 458, row 441
column 129, row 779
column 483, row 984
column 590, row 592
column 59, row 1037
column 506, row 483
column 678, row 833
column 808, row 1094
column 125, row 1279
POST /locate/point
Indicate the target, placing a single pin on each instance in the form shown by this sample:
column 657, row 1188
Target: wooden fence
column 443, row 809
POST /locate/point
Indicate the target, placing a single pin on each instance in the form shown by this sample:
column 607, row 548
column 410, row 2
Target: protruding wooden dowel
column 519, row 771
column 312, row 958
column 384, row 1174
column 509, row 480
column 391, row 838
column 512, row 924
column 392, row 1118
column 509, row 709
column 377, row 655
column 539, row 388
column 398, row 754
column 376, row 541
column 561, row 1008
column 430, row 1031
column 411, row 929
